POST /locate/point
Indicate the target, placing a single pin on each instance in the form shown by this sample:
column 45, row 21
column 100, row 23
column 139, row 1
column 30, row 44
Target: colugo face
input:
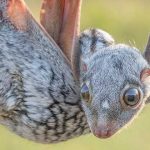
column 112, row 89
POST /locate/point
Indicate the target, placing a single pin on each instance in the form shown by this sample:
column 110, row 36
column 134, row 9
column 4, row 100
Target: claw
column 61, row 19
column 14, row 11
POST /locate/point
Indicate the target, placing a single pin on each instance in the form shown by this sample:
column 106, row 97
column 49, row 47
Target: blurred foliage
column 128, row 21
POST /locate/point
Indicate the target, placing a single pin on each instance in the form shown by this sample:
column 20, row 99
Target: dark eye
column 132, row 97
column 85, row 94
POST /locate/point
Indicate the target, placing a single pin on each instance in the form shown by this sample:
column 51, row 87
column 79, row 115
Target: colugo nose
column 102, row 132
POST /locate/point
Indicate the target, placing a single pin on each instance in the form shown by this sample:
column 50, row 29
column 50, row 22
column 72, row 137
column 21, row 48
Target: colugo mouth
column 104, row 131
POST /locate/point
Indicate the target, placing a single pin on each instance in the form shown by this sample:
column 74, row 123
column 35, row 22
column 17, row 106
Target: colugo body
column 39, row 98
column 48, row 94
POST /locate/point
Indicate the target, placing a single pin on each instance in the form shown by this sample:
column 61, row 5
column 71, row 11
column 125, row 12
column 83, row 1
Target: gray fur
column 40, row 99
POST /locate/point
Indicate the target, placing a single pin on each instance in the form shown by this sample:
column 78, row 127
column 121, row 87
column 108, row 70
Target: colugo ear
column 147, row 51
column 145, row 79
column 145, row 75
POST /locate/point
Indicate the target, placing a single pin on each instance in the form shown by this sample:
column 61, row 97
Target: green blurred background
column 127, row 21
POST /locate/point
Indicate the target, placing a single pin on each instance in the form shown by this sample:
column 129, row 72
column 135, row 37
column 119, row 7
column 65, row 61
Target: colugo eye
column 132, row 97
column 85, row 93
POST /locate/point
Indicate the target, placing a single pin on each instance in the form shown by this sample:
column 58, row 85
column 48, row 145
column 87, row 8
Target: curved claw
column 14, row 11
column 61, row 19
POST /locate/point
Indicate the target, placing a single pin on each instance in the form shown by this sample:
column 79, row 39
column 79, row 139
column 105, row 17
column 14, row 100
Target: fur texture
column 110, row 69
column 39, row 97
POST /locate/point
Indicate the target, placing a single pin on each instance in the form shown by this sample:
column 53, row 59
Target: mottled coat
column 40, row 87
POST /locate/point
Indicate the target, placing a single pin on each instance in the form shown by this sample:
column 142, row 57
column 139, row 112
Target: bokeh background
column 128, row 21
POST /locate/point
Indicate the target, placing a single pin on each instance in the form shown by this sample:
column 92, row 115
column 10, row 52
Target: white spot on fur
column 105, row 105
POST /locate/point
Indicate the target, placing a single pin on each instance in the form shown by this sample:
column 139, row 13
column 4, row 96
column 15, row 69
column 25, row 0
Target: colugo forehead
column 117, row 58
column 93, row 39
